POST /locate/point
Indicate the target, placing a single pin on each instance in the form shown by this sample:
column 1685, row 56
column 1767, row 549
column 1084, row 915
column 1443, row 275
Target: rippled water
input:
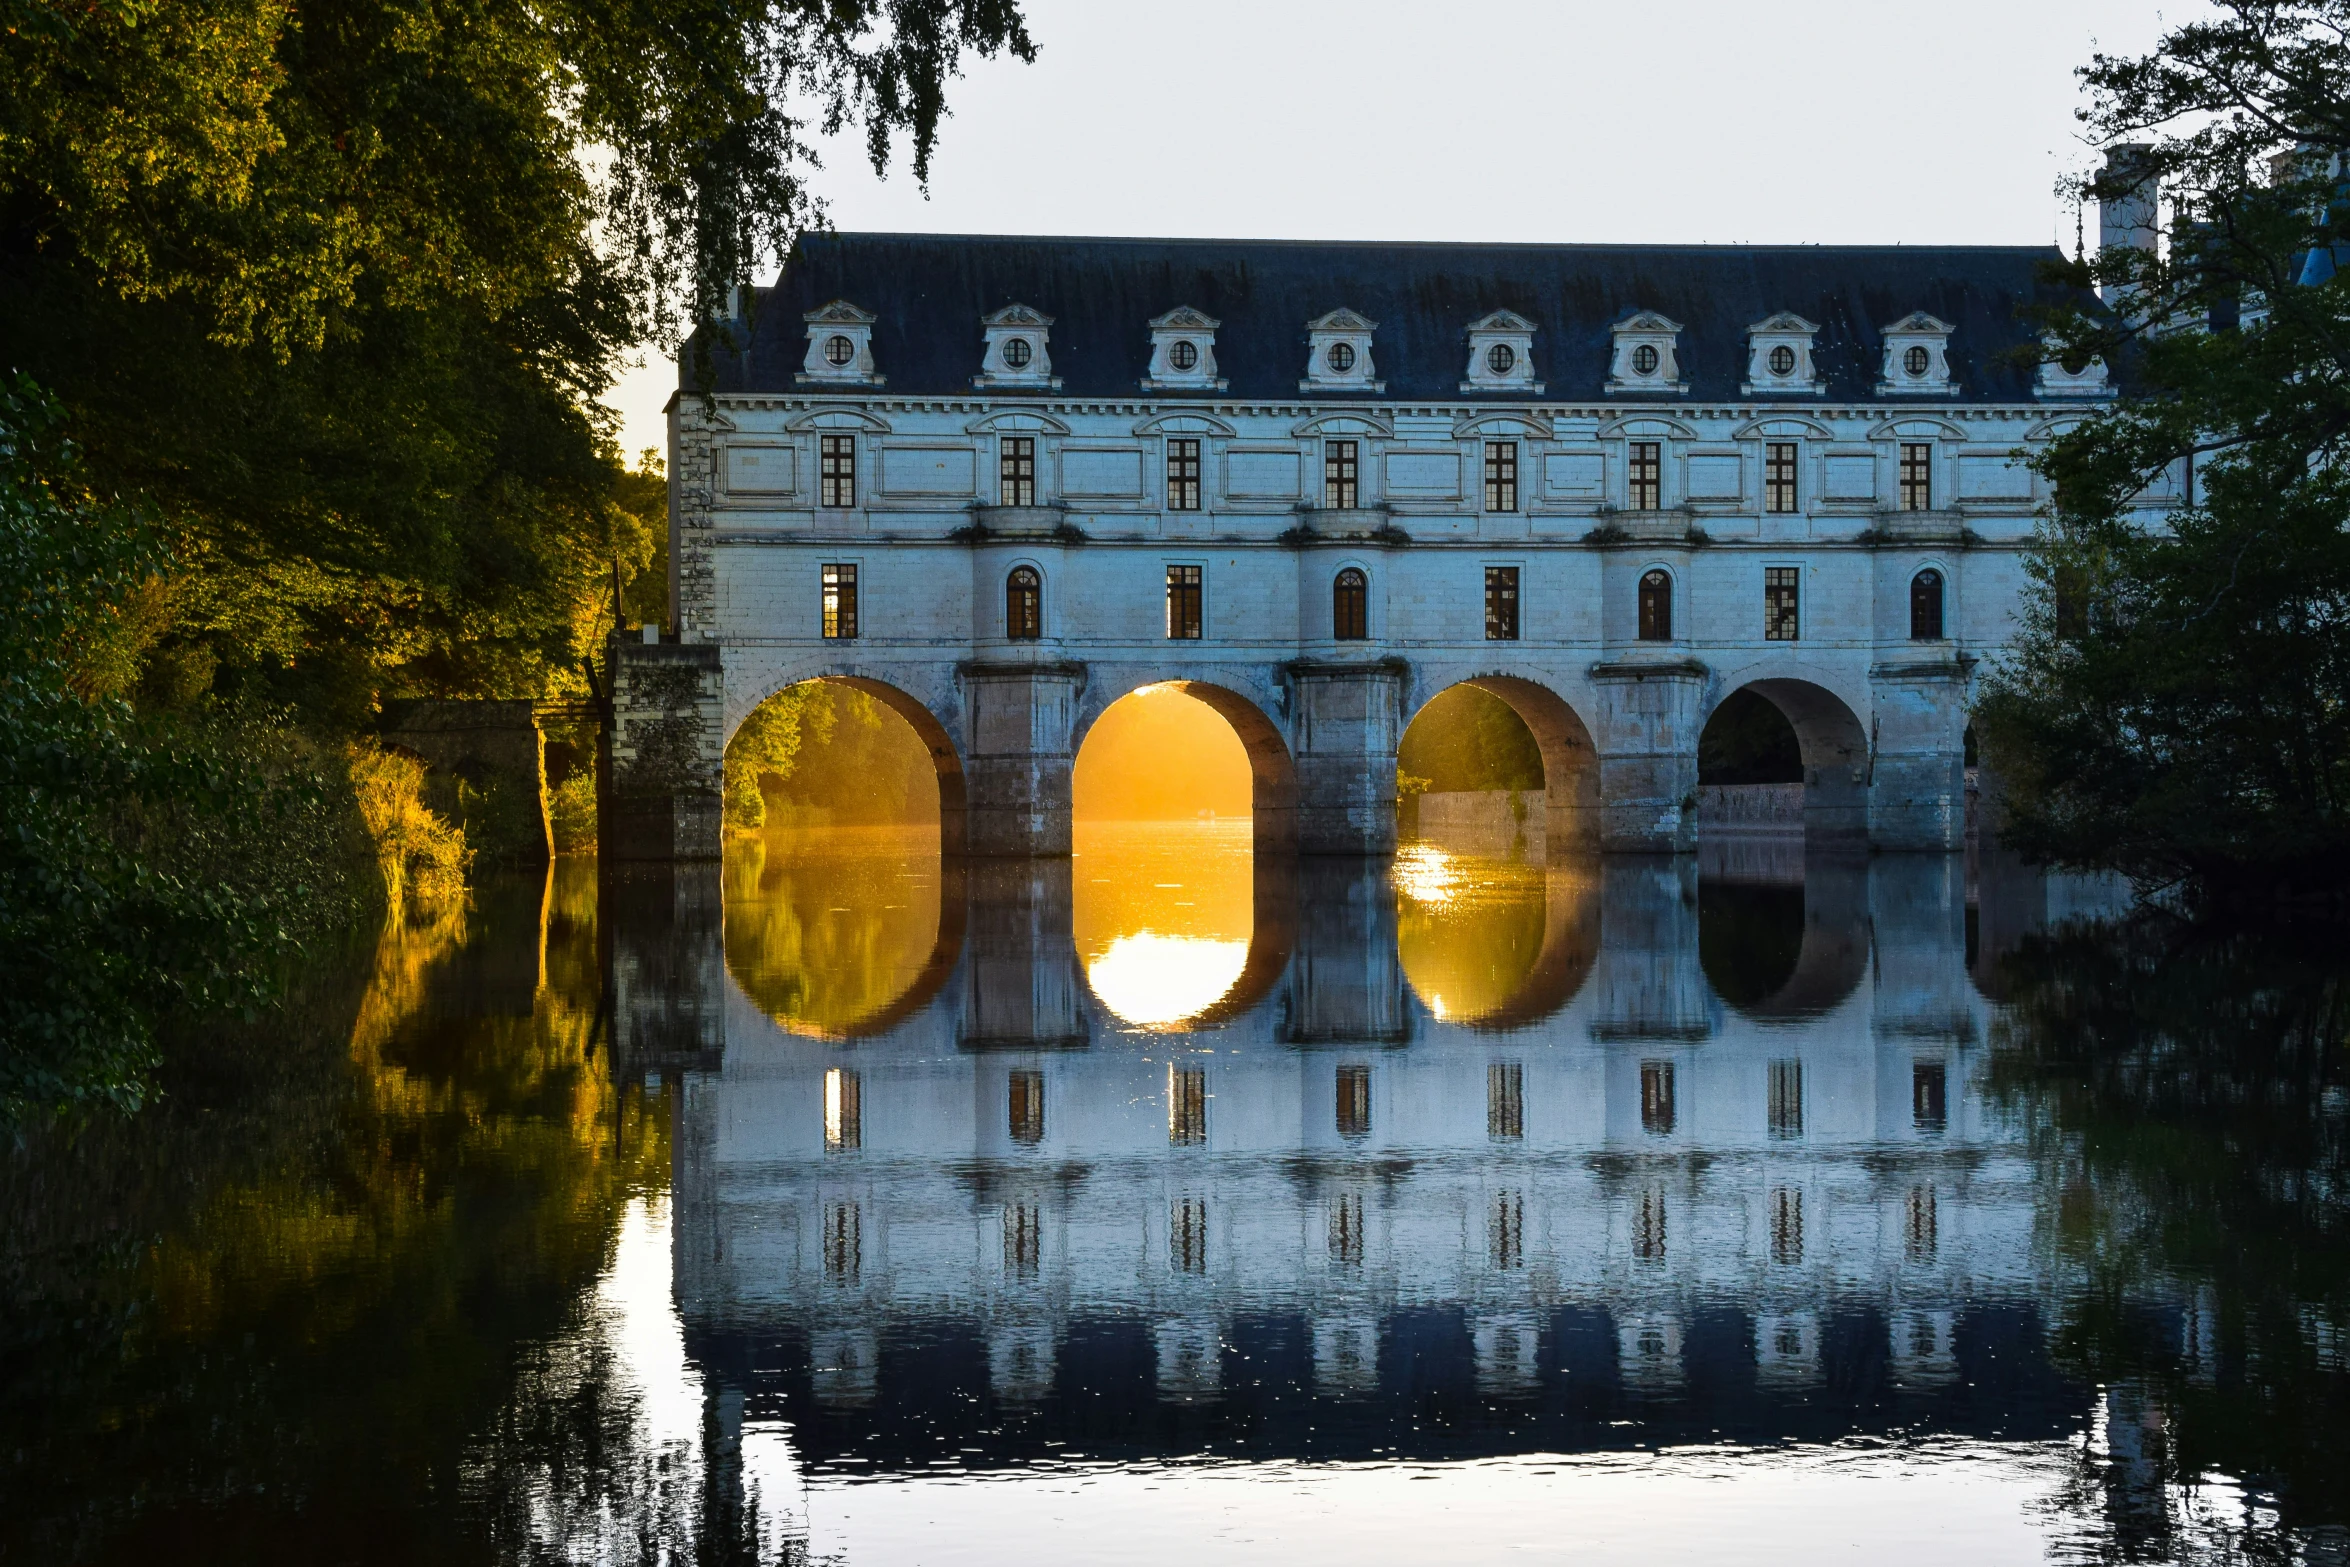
column 1163, row 1205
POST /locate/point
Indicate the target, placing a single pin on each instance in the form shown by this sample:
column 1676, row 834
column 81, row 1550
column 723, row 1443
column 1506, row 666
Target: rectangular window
column 840, row 602
column 1644, row 479
column 1505, row 1231
column 1023, row 1239
column 1656, row 1097
column 1919, row 1240
column 1648, row 1227
column 1183, row 603
column 844, row 1111
column 1346, row 1229
column 1016, row 471
column 1501, row 476
column 1501, row 603
column 843, row 1242
column 1781, row 603
column 837, row 464
column 1505, row 1100
column 1340, row 469
column 1786, row 1111
column 1779, row 493
column 1183, row 473
column 1187, row 1106
column 1786, row 1225
column 1917, row 476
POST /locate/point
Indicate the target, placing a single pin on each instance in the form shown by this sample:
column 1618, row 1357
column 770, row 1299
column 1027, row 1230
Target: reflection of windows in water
column 843, row 1243
column 1346, row 1229
column 1505, row 1100
column 1652, row 1343
column 1918, row 1231
column 1187, row 1236
column 1929, row 1096
column 1786, row 1099
column 1648, row 1227
column 1786, row 1225
column 1187, row 1106
column 1023, row 1239
column 844, row 1111
column 1354, row 1101
column 1505, row 1231
column 1027, row 1107
column 1788, row 1341
column 1656, row 1097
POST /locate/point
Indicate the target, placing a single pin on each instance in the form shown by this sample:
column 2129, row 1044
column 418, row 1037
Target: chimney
column 2128, row 207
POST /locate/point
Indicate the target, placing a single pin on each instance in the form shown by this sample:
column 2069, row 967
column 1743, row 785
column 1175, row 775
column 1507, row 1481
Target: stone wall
column 484, row 772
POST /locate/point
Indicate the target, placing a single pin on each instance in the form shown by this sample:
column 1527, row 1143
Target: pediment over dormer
column 1183, row 352
column 839, row 313
column 1919, row 321
column 1016, row 315
column 1501, row 354
column 1785, row 321
column 1184, row 318
column 1342, row 320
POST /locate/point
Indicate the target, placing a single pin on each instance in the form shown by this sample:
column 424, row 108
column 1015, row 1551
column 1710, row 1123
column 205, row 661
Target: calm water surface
column 1164, row 1205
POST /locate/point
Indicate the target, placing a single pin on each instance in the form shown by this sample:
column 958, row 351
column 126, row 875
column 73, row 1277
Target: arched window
column 1350, row 606
column 1024, row 604
column 1656, row 606
column 1925, row 606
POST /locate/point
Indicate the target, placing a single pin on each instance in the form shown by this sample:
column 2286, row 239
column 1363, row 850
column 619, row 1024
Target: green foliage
column 1467, row 739
column 2178, row 706
column 768, row 746
column 149, row 864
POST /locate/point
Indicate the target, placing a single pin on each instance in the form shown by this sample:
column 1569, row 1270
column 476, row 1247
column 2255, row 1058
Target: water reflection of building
column 1771, row 1199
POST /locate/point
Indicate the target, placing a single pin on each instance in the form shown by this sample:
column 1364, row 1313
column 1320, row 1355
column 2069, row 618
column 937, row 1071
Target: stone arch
column 1834, row 744
column 1272, row 769
column 945, row 759
column 1570, row 761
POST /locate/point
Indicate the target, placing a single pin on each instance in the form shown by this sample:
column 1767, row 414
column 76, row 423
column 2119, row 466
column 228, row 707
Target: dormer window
column 1341, row 358
column 1338, row 354
column 1183, row 353
column 1645, row 358
column 1778, row 357
column 1501, row 355
column 2082, row 376
column 1017, row 354
column 1917, row 357
column 840, row 347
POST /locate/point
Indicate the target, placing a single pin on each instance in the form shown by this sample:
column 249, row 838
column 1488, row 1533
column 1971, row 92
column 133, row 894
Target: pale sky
column 1718, row 121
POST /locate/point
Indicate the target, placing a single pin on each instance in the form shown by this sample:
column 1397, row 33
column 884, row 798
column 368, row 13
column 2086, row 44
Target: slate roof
column 929, row 291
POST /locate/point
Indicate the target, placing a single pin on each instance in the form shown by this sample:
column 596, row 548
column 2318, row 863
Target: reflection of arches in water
column 1785, row 949
column 1830, row 746
column 1178, row 925
column 843, row 936
column 1570, row 762
column 946, row 763
column 1491, row 944
column 1271, row 770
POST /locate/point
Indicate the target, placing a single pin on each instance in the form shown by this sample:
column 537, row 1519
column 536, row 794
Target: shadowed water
column 1164, row 1204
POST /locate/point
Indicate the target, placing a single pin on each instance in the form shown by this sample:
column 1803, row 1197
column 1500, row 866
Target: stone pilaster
column 1017, row 765
column 696, row 434
column 664, row 763
column 1647, row 742
column 1346, row 719
column 1917, row 755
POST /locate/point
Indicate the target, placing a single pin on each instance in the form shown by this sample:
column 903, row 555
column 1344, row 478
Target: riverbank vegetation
column 306, row 311
column 2178, row 706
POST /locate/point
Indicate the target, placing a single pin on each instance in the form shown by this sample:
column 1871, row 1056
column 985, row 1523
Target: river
column 1164, row 1204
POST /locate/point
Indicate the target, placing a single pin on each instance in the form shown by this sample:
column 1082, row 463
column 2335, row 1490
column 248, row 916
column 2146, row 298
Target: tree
column 2178, row 704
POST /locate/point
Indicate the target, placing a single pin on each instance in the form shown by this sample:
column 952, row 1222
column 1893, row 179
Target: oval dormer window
column 1184, row 355
column 1915, row 361
column 1017, row 352
column 1500, row 358
column 1645, row 360
column 1782, row 360
column 839, row 350
column 1341, row 358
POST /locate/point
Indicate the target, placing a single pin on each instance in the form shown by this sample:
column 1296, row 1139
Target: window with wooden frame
column 1782, row 603
column 1016, row 470
column 1501, row 603
column 1341, row 471
column 1183, row 603
column 836, row 457
column 1350, row 606
column 840, row 602
column 1925, row 606
column 1780, row 493
column 1183, row 473
column 1501, row 476
column 1656, row 606
column 1024, row 604
column 1917, row 476
column 1644, row 476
